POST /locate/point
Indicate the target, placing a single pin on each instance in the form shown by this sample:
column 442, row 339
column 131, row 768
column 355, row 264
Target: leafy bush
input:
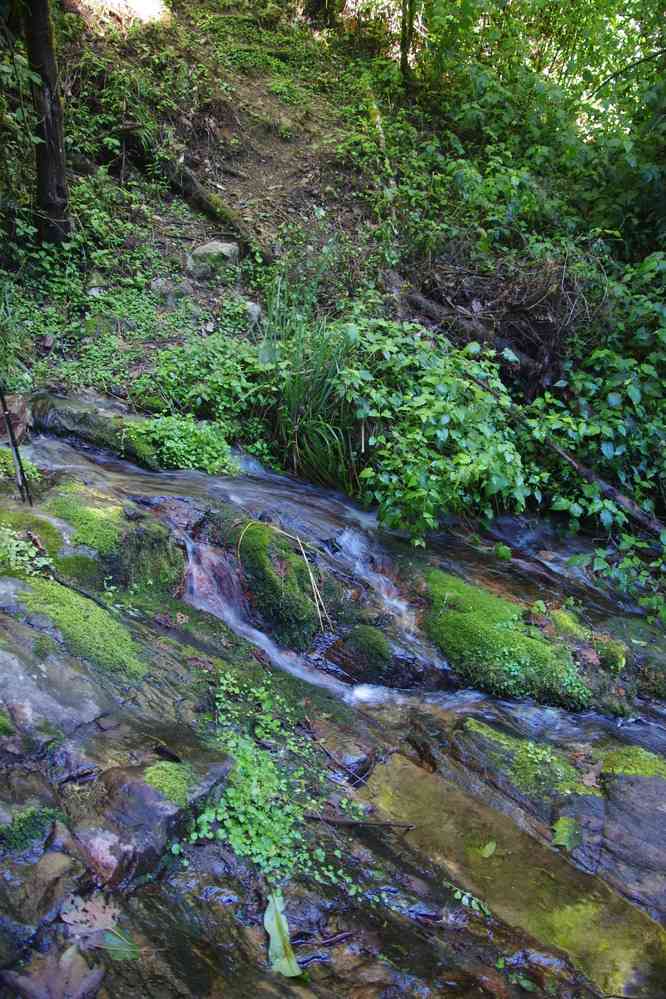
column 182, row 442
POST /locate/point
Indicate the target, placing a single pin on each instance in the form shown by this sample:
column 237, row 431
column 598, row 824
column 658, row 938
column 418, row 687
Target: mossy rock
column 534, row 768
column 95, row 422
column 280, row 584
column 369, row 646
column 632, row 761
column 485, row 640
column 88, row 630
column 97, row 522
column 149, row 558
column 173, row 780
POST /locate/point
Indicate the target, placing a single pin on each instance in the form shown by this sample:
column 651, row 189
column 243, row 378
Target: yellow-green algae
column 632, row 761
column 524, row 883
column 98, row 526
column 532, row 767
column 173, row 780
column 485, row 640
column 88, row 630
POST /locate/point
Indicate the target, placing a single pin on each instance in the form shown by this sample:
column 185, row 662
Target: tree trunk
column 53, row 221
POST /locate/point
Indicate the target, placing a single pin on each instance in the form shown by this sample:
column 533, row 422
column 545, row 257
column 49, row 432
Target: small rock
column 210, row 257
column 255, row 313
column 171, row 291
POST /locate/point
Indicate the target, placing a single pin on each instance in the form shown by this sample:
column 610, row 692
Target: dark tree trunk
column 52, row 200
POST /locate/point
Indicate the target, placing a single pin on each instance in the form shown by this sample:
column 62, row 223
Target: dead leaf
column 89, row 915
column 57, row 977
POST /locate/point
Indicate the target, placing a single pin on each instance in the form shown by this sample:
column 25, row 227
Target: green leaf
column 614, row 399
column 488, row 850
column 566, row 833
column 119, row 947
column 607, row 449
column 634, row 393
column 280, row 951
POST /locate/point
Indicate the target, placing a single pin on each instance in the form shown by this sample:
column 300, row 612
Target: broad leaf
column 280, row 951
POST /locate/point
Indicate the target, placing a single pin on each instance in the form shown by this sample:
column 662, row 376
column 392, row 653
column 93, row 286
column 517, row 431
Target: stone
column 171, row 291
column 255, row 313
column 213, row 256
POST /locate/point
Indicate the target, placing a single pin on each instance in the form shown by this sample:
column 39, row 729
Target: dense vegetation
column 475, row 287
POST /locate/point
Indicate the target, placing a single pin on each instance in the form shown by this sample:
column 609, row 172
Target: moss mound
column 369, row 646
column 568, row 625
column 26, row 826
column 6, row 727
column 82, row 570
column 173, row 780
column 88, row 630
column 485, row 640
column 280, row 584
column 612, row 653
column 149, row 558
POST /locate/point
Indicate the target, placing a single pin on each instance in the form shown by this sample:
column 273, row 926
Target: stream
column 581, row 921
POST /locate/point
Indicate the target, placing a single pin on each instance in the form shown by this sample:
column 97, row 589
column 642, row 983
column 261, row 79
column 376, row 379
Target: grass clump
column 281, row 585
column 368, row 645
column 533, row 768
column 173, row 780
column 26, row 826
column 484, row 639
column 633, row 761
column 97, row 527
column 88, row 630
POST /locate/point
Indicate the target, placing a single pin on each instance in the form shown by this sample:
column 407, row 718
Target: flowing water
column 597, row 905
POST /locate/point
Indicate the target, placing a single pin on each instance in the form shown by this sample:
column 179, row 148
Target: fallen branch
column 185, row 183
column 335, row 820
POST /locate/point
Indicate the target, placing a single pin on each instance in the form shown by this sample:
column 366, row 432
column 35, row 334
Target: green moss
column 81, row 569
column 8, row 471
column 173, row 780
column 368, row 645
column 485, row 640
column 533, row 768
column 98, row 527
column 43, row 647
column 568, row 625
column 20, row 520
column 6, row 727
column 612, row 653
column 503, row 552
column 88, row 630
column 149, row 558
column 633, row 761
column 26, row 826
column 280, row 584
